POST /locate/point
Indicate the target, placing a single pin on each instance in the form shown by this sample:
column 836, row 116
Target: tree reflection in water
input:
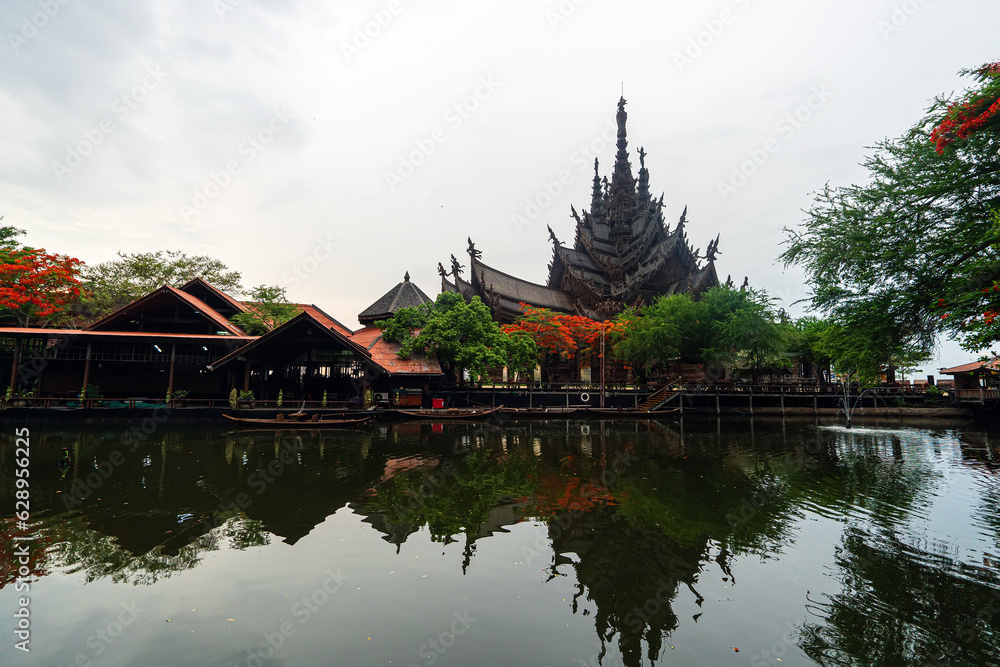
column 635, row 514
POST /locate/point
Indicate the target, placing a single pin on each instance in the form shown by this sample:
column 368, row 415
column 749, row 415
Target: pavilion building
column 181, row 338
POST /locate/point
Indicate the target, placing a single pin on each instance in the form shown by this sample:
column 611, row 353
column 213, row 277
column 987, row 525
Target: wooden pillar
column 170, row 377
column 782, row 403
column 86, row 376
column 13, row 367
column 815, row 404
column 246, row 375
column 718, row 411
column 751, row 402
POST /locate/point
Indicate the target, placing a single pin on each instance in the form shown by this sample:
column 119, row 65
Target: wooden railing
column 981, row 394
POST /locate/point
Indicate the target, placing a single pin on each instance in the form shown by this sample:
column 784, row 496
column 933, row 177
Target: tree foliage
column 558, row 333
column 35, row 285
column 267, row 309
column 978, row 112
column 461, row 334
column 730, row 328
column 917, row 248
column 111, row 285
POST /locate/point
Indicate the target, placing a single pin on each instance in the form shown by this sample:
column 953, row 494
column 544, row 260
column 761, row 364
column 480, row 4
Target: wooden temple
column 623, row 254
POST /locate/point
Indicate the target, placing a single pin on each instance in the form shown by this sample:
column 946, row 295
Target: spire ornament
column 473, row 253
column 456, row 268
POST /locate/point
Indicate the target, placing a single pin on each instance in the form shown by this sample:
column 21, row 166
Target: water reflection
column 648, row 520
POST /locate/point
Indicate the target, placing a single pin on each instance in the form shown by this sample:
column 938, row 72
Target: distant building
column 623, row 254
column 976, row 380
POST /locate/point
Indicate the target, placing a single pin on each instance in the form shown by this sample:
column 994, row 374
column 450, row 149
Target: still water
column 520, row 543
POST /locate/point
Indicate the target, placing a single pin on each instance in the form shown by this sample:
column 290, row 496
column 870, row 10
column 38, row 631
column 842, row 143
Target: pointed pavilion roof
column 403, row 295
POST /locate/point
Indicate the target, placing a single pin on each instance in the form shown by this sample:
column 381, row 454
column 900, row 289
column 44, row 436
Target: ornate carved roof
column 623, row 252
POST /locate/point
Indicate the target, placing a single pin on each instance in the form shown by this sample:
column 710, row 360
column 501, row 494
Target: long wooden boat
column 451, row 413
column 322, row 421
column 555, row 412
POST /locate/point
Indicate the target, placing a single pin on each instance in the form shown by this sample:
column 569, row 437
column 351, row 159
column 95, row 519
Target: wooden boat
column 451, row 413
column 316, row 421
column 544, row 413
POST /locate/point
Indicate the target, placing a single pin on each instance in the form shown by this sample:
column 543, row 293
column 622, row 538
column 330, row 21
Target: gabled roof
column 24, row 332
column 323, row 317
column 128, row 312
column 403, row 295
column 271, row 338
column 992, row 366
column 216, row 297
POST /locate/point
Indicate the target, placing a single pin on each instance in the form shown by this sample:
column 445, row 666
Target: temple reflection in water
column 652, row 523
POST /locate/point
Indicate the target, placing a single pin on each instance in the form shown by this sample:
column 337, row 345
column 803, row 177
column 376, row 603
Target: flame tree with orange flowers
column 561, row 335
column 914, row 253
column 35, row 285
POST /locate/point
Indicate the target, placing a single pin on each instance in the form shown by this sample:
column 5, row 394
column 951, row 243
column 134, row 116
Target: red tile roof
column 323, row 317
column 993, row 365
column 384, row 354
column 236, row 305
column 203, row 308
column 4, row 331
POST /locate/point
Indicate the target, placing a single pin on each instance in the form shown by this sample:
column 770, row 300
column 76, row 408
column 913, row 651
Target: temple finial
column 406, row 277
column 473, row 253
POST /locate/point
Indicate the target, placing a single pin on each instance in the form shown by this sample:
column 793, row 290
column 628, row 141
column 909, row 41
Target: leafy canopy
column 559, row 333
column 727, row 327
column 916, row 248
column 461, row 334
column 118, row 282
column 35, row 285
column 267, row 309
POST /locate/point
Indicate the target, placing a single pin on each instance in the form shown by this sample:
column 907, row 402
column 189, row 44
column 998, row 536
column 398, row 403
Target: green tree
column 113, row 284
column 916, row 248
column 747, row 338
column 267, row 309
column 523, row 354
column 8, row 237
column 461, row 334
column 805, row 342
column 664, row 331
column 867, row 348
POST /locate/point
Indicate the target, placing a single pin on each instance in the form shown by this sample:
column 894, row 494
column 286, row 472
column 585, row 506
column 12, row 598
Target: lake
column 694, row 542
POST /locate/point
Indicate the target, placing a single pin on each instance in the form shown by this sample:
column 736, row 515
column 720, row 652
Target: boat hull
column 450, row 413
column 249, row 422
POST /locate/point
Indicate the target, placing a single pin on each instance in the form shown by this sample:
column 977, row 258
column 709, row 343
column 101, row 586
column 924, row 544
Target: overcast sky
column 332, row 146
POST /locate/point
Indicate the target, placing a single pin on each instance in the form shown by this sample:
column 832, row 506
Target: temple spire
column 622, row 175
column 597, row 197
column 621, row 204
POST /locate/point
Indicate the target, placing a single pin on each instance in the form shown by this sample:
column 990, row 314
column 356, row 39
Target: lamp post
column 602, row 366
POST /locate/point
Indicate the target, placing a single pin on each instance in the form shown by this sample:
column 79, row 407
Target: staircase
column 660, row 397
